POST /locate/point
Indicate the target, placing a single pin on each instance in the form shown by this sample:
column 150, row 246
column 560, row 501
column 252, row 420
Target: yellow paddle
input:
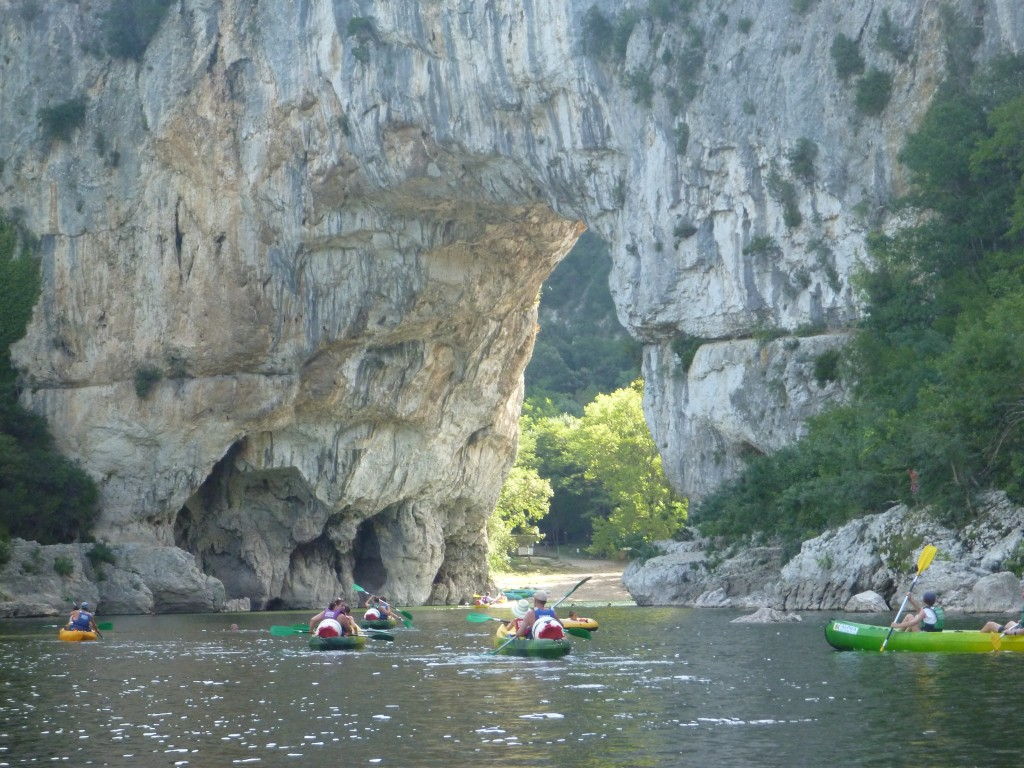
column 923, row 561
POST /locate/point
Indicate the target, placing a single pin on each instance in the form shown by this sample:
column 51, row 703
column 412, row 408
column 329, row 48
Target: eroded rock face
column 856, row 567
column 325, row 225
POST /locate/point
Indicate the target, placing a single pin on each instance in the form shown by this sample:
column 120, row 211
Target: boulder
column 868, row 601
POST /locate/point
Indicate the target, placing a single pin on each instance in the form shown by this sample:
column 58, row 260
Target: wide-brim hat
column 520, row 608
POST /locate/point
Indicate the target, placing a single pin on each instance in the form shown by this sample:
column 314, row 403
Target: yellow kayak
column 580, row 623
column 75, row 635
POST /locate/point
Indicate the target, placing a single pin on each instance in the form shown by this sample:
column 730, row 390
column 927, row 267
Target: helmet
column 540, row 596
column 930, row 597
column 84, row 606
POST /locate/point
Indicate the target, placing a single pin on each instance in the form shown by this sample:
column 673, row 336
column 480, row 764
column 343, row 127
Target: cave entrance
column 368, row 570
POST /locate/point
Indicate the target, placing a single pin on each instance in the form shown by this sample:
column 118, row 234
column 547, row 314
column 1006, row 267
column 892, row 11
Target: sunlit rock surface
column 324, row 225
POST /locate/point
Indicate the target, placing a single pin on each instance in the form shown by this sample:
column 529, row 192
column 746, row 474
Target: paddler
column 81, row 620
column 1009, row 628
column 334, row 621
column 928, row 617
column 541, row 622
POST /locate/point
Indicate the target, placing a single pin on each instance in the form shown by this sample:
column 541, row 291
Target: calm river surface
column 653, row 687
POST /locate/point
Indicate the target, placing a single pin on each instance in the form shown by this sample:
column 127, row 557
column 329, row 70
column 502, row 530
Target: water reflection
column 652, row 687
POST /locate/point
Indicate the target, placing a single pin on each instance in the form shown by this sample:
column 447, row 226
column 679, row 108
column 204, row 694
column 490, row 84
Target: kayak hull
column 520, row 646
column 378, row 623
column 852, row 636
column 76, row 635
column 345, row 643
column 580, row 623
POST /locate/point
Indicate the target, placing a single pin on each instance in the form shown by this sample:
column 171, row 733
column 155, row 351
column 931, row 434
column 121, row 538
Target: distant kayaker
column 1009, row 628
column 378, row 609
column 928, row 617
column 333, row 622
column 82, row 620
column 541, row 622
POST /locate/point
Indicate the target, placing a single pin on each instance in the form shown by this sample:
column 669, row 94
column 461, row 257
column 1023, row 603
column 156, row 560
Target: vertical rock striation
column 323, row 225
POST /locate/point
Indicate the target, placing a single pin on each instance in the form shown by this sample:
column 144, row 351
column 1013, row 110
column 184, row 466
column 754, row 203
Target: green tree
column 523, row 501
column 614, row 445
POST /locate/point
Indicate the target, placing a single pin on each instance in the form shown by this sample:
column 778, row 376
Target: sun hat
column 84, row 606
column 520, row 608
column 540, row 595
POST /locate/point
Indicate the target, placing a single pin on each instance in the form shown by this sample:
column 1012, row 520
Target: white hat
column 520, row 608
column 540, row 595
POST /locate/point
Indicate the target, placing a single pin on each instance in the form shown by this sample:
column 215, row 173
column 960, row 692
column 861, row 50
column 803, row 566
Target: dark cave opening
column 368, row 569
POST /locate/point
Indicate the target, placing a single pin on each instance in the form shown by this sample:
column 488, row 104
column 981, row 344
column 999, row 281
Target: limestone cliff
column 324, row 226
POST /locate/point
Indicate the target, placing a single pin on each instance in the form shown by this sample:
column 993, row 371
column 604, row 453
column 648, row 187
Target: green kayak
column 851, row 636
column 378, row 623
column 346, row 643
column 543, row 649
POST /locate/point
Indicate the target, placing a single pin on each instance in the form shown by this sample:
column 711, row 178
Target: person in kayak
column 541, row 622
column 82, row 620
column 378, row 609
column 928, row 617
column 519, row 610
column 1009, row 628
column 334, row 621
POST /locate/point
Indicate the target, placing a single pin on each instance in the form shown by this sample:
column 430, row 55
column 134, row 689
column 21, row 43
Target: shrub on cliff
column 939, row 357
column 60, row 121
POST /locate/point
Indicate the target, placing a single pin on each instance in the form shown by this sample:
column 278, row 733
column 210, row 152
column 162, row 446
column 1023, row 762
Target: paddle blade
column 105, row 625
column 479, row 618
column 579, row 632
column 406, row 614
column 357, row 588
column 300, row 627
column 926, row 557
column 279, row 630
column 375, row 635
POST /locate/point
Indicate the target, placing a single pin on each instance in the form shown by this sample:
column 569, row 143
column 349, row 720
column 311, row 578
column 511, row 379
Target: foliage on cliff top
column 938, row 364
column 43, row 496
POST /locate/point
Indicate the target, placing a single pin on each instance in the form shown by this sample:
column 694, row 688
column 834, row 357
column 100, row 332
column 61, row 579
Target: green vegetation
column 525, row 498
column 762, row 245
column 892, row 39
column 63, row 566
column 846, row 56
column 43, row 496
column 60, row 121
column 581, row 350
column 101, row 553
column 784, row 191
column 682, row 138
column 146, row 378
column 873, row 92
column 826, row 367
column 685, row 348
column 129, row 25
column 597, row 477
column 801, row 160
column 802, row 6
column 939, row 357
column 745, row 24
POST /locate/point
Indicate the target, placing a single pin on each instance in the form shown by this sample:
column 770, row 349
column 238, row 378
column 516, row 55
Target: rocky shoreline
column 859, row 567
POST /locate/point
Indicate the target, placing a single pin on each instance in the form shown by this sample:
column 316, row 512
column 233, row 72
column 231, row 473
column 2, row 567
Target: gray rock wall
column 326, row 224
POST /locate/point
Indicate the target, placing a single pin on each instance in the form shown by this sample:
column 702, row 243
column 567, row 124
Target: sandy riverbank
column 559, row 574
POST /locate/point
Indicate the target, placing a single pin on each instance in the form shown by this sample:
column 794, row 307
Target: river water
column 652, row 687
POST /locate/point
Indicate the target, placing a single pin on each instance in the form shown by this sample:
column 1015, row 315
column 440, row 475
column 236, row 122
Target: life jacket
column 81, row 622
column 329, row 628
column 546, row 625
column 934, row 619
